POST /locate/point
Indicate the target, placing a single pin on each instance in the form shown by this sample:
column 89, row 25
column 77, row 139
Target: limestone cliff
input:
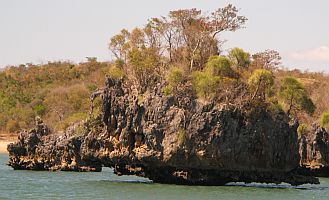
column 168, row 140
column 314, row 151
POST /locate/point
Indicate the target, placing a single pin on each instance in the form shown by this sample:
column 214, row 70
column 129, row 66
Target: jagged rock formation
column 38, row 150
column 149, row 135
column 314, row 151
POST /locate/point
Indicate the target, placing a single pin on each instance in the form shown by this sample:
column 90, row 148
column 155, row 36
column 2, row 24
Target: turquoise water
column 106, row 185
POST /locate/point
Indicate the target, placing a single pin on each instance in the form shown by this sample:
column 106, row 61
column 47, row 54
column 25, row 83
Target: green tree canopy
column 175, row 76
column 143, row 61
column 119, row 44
column 219, row 66
column 295, row 96
column 239, row 58
column 302, row 130
column 324, row 120
column 261, row 82
column 204, row 83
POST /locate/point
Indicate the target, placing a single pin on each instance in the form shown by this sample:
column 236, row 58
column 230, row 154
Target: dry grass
column 317, row 85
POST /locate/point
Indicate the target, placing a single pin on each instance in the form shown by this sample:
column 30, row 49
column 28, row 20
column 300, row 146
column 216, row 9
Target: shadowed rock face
column 150, row 136
column 314, row 151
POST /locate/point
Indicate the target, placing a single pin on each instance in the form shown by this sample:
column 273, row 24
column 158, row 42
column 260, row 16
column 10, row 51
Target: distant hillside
column 317, row 85
column 58, row 92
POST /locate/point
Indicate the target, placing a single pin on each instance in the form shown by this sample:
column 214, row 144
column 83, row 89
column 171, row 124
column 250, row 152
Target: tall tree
column 268, row 59
column 137, row 39
column 261, row 82
column 188, row 34
column 196, row 28
column 142, row 62
column 219, row 66
column 295, row 96
column 225, row 19
column 239, row 58
column 119, row 44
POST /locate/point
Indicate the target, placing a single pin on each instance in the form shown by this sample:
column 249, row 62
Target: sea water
column 106, row 185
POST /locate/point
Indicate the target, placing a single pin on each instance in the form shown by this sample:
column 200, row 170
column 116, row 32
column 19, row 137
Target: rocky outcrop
column 314, row 151
column 38, row 150
column 151, row 135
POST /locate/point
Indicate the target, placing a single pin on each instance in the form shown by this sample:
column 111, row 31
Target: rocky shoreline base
column 84, row 153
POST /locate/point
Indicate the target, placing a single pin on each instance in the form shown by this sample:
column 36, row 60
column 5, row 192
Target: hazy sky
column 41, row 30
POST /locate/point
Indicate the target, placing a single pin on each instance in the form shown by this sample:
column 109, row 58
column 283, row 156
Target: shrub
column 302, row 130
column 324, row 120
column 261, row 82
column 91, row 87
column 74, row 73
column 181, row 136
column 167, row 90
column 119, row 63
column 116, row 72
column 239, row 58
column 175, row 76
column 39, row 109
column 140, row 100
column 204, row 84
column 307, row 105
column 143, row 62
column 219, row 66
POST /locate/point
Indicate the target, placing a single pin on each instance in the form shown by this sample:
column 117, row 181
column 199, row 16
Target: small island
column 176, row 109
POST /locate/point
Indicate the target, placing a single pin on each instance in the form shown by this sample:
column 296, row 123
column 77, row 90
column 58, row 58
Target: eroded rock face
column 314, row 151
column 38, row 150
column 149, row 135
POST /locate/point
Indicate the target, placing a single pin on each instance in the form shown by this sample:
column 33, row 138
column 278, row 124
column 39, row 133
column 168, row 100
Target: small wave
column 127, row 181
column 279, row 186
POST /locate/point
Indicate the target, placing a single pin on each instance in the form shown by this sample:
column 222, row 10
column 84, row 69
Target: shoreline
column 3, row 146
column 5, row 139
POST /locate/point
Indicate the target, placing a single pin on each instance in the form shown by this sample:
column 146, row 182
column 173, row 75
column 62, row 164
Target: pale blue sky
column 41, row 30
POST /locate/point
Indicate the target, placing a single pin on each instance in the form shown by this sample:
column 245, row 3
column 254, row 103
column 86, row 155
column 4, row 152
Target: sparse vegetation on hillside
column 56, row 91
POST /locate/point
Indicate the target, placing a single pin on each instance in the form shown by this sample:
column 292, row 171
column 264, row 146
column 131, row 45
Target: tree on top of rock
column 324, row 120
column 295, row 97
column 268, row 59
column 186, row 35
column 196, row 29
column 119, row 44
column 220, row 66
column 261, row 82
column 239, row 58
